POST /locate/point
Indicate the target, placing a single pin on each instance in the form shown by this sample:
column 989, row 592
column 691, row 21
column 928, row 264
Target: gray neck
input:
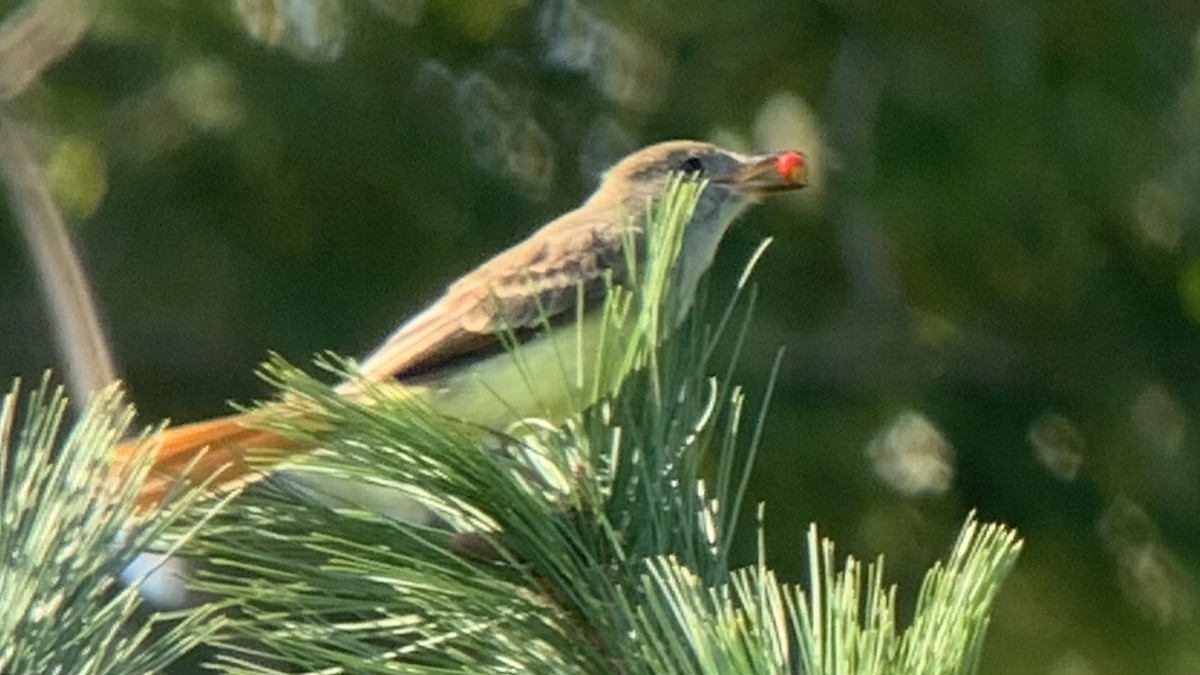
column 700, row 240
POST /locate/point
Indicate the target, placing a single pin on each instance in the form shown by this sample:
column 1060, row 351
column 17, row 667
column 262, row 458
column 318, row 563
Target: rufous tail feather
column 224, row 452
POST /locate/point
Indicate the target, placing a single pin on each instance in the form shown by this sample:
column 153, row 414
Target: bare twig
column 35, row 36
column 80, row 338
column 31, row 38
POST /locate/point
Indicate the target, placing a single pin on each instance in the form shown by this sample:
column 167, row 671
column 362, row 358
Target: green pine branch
column 67, row 530
column 597, row 546
column 600, row 545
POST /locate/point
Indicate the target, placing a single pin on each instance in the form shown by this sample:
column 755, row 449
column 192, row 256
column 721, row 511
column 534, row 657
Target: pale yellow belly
column 552, row 376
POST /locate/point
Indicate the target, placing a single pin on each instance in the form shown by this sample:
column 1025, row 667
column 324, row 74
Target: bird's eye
column 692, row 165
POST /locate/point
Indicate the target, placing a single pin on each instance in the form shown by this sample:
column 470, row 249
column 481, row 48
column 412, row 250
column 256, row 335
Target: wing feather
column 537, row 281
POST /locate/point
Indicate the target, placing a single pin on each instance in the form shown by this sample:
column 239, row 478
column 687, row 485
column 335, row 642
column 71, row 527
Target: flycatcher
column 543, row 290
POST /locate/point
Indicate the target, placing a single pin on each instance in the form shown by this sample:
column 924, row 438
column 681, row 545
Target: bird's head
column 735, row 181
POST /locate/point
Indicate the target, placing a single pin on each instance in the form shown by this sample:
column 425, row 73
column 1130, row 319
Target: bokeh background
column 989, row 299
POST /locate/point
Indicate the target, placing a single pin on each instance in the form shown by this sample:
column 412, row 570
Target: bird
column 543, row 291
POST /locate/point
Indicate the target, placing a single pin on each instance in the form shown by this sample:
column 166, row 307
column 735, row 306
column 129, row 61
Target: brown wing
column 533, row 282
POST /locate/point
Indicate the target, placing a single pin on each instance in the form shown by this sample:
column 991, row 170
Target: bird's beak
column 765, row 174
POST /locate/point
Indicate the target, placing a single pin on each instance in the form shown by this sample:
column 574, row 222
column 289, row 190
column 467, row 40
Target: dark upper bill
column 776, row 172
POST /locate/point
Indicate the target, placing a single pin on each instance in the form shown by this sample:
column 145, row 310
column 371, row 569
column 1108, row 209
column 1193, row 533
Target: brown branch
column 80, row 338
column 35, row 36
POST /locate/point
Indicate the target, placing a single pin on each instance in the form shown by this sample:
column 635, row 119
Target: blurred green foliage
column 1002, row 251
